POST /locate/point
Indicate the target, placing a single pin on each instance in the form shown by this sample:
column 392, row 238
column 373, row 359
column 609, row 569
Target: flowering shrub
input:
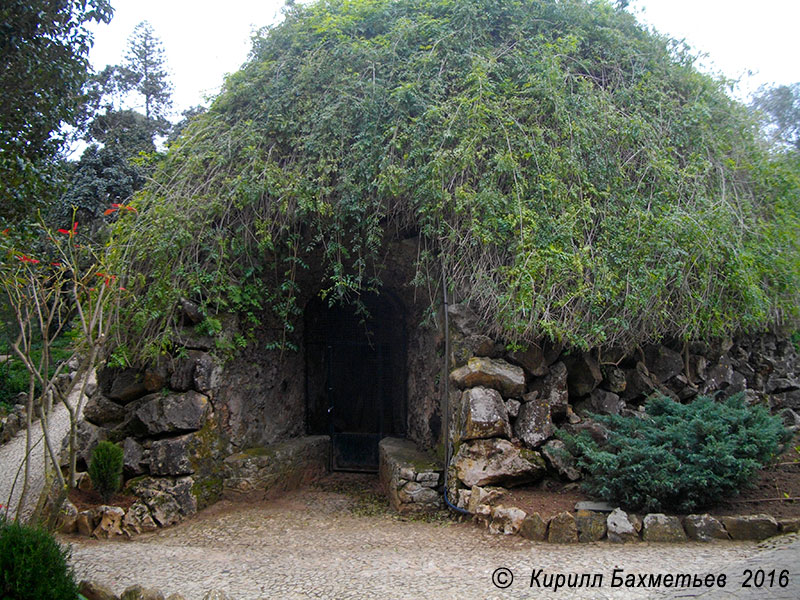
column 60, row 282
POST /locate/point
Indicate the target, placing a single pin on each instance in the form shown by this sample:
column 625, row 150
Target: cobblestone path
column 309, row 544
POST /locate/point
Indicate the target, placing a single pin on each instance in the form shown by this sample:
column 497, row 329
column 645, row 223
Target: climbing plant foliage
column 572, row 173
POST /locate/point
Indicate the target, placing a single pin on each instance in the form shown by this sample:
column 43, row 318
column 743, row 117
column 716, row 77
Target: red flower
column 70, row 232
column 115, row 207
column 27, row 259
column 5, row 232
column 55, row 264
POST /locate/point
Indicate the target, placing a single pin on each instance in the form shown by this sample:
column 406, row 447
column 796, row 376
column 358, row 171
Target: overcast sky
column 204, row 40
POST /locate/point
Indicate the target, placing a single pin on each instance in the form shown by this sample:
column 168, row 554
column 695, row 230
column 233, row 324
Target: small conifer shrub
column 33, row 565
column 680, row 457
column 105, row 469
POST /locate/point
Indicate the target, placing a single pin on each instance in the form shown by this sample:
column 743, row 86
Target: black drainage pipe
column 447, row 448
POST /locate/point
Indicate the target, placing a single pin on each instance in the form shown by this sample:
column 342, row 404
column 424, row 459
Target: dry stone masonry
column 410, row 478
column 507, row 408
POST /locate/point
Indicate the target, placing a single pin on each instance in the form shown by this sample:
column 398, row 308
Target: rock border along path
column 308, row 544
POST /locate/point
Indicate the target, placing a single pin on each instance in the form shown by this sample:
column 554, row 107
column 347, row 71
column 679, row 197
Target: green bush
column 105, row 469
column 680, row 456
column 33, row 565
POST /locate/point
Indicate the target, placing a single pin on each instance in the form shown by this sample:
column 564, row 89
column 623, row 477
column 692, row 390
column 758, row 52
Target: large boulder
column 638, row 383
column 534, row 528
column 719, row 377
column 158, row 414
column 123, row 386
column 621, row 528
column 169, row 500
column 704, row 528
column 99, row 410
column 614, row 379
column 491, row 496
column 92, row 590
column 560, row 460
column 662, row 362
column 483, row 414
column 506, row 519
column 197, row 370
column 600, row 402
column 172, row 456
column 137, row 592
column 497, row 461
column 563, row 529
column 552, row 389
column 537, row 358
column 137, row 519
column 658, row 527
column 506, row 378
column 133, row 458
column 110, row 524
column 462, row 319
column 534, row 425
column 750, row 527
column 591, row 525
column 583, row 374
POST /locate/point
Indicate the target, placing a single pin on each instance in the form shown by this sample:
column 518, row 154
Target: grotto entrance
column 355, row 377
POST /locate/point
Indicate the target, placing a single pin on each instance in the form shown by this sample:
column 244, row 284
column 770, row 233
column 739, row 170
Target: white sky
column 204, row 40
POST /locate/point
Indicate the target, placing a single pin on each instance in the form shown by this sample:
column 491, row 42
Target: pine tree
column 144, row 71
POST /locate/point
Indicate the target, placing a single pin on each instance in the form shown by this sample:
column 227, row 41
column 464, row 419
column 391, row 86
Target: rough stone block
column 158, row 414
column 110, row 522
column 483, row 414
column 480, row 495
column 172, row 456
column 92, row 590
column 506, row 378
column 583, row 374
column 534, row 528
column 534, row 424
column 137, row 592
column 704, row 528
column 591, row 525
column 750, row 527
column 560, row 460
column 658, row 527
column 496, row 461
column 552, row 389
column 563, row 529
column 276, row 468
column 620, row 527
column 506, row 520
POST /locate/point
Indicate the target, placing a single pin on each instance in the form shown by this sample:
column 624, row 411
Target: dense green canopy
column 572, row 173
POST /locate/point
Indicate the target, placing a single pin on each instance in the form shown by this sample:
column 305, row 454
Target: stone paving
column 12, row 455
column 309, row 544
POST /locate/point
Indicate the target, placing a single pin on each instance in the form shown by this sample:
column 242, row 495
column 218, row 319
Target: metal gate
column 355, row 377
column 357, row 403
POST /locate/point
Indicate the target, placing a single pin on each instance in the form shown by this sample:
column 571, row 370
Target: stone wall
column 505, row 407
column 411, row 479
column 598, row 521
